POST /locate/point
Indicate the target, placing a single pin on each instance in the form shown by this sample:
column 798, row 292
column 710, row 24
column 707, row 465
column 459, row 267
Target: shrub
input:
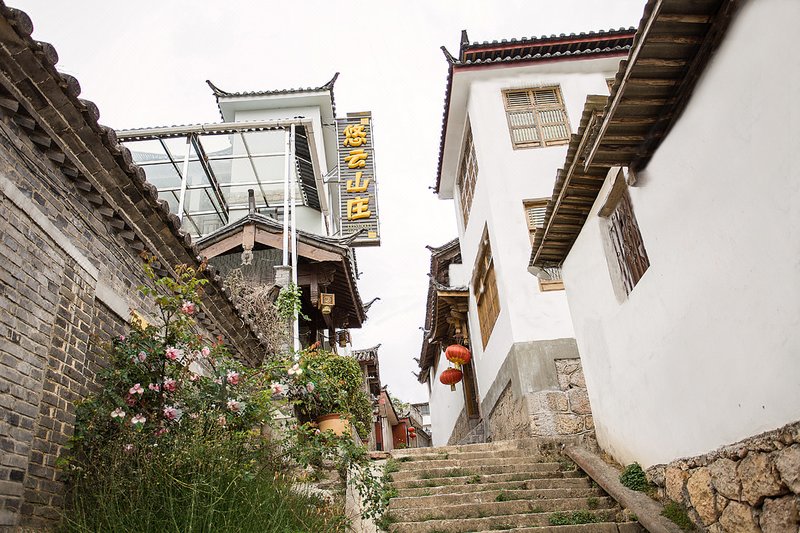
column 171, row 441
column 634, row 478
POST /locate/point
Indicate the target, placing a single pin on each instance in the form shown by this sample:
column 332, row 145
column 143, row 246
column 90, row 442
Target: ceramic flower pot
column 334, row 422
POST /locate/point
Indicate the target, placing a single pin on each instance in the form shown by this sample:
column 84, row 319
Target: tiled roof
column 47, row 103
column 674, row 41
column 527, row 50
column 344, row 283
column 367, row 354
column 441, row 259
column 219, row 93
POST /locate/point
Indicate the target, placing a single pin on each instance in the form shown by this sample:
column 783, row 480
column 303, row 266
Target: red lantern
column 458, row 354
column 451, row 376
column 412, row 432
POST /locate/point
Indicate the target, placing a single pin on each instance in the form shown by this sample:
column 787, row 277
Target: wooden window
column 484, row 286
column 467, row 174
column 534, row 215
column 555, row 282
column 627, row 242
column 536, row 117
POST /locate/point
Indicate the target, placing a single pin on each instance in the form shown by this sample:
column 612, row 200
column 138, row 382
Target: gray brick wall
column 52, row 326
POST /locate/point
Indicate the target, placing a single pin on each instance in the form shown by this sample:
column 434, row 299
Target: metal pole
column 287, row 169
column 184, row 178
column 293, row 167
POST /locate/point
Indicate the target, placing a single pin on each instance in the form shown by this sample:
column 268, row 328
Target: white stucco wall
column 704, row 351
column 506, row 177
column 445, row 404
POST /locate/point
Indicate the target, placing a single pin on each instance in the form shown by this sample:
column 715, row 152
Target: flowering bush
column 318, row 382
column 172, row 437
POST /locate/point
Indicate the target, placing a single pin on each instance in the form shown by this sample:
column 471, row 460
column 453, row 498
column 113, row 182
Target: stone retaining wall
column 750, row 486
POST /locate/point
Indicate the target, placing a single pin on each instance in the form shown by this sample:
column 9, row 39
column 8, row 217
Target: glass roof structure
column 220, row 163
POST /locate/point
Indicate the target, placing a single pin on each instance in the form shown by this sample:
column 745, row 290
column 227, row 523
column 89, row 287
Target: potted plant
column 327, row 388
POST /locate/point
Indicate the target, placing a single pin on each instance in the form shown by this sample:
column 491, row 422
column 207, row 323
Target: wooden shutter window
column 484, row 286
column 534, row 215
column 536, row 117
column 627, row 242
column 467, row 174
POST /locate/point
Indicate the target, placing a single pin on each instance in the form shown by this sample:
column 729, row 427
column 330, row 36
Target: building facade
column 681, row 272
column 510, row 109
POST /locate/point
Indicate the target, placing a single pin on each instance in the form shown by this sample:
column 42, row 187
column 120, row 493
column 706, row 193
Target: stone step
column 528, row 519
column 437, row 456
column 487, row 496
column 511, row 463
column 477, row 479
column 530, row 484
column 604, row 527
column 516, row 444
column 501, row 508
column 527, row 466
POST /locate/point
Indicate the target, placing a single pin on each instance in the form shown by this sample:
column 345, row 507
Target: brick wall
column 66, row 284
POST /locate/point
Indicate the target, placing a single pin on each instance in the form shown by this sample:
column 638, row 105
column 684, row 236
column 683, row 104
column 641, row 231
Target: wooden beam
column 657, row 62
column 684, row 18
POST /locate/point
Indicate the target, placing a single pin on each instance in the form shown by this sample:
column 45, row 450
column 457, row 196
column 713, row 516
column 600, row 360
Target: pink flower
column 142, row 357
column 188, row 308
column 122, row 338
column 130, row 399
column 206, row 351
column 118, row 413
column 160, row 431
column 277, row 388
column 235, row 406
column 194, row 416
column 310, row 387
column 233, row 377
column 138, row 420
column 296, row 370
column 173, row 353
column 136, row 389
column 222, row 421
column 170, row 385
column 193, row 376
column 154, row 387
column 218, row 381
column 171, row 413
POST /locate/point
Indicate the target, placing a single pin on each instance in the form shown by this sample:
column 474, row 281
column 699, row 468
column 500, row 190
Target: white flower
column 118, row 413
column 277, row 388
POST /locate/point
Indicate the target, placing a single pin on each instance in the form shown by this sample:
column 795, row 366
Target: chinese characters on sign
column 358, row 198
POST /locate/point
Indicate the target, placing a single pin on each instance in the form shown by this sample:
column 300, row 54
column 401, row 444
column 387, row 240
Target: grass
column 474, row 479
column 592, row 502
column 391, row 467
column 573, row 518
column 405, row 459
column 677, row 514
column 386, row 521
column 210, row 488
column 502, row 496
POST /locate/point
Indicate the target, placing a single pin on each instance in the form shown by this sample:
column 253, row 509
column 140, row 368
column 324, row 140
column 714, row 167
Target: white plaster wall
column 445, row 404
column 506, row 177
column 704, row 352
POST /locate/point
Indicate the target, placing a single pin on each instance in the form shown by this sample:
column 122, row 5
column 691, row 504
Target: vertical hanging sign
column 358, row 193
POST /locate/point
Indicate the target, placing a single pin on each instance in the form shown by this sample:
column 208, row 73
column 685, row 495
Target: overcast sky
column 145, row 62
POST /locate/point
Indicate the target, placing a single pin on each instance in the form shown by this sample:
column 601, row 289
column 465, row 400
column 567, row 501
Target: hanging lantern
column 412, row 432
column 458, row 355
column 451, row 376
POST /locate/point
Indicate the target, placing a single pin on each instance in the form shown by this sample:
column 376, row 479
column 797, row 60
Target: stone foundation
column 463, row 426
column 539, row 391
column 753, row 485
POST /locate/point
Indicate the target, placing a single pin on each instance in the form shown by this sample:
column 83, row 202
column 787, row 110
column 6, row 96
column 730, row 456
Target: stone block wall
column 750, row 486
column 462, row 427
column 562, row 409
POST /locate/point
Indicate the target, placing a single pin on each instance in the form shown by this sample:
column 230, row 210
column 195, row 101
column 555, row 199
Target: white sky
column 145, row 62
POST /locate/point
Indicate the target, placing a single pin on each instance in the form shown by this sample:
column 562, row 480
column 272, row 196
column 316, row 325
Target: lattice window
column 467, row 175
column 536, row 117
column 534, row 215
column 627, row 242
column 484, row 286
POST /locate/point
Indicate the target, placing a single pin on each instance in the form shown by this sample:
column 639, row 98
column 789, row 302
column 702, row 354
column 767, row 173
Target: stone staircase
column 519, row 486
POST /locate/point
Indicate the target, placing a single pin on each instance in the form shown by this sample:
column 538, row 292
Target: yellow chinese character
column 358, row 208
column 356, row 159
column 354, row 135
column 358, row 185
